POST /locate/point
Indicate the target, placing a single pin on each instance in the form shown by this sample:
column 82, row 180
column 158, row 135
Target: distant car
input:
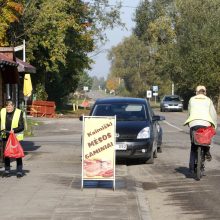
column 138, row 133
column 171, row 103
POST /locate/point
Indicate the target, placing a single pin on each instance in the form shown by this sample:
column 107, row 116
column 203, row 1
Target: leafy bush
column 40, row 92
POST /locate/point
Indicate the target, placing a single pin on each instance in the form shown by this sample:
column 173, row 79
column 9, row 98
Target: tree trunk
column 218, row 104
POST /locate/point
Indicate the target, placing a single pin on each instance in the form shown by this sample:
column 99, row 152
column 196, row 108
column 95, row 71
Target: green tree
column 154, row 26
column 143, row 17
column 195, row 56
column 10, row 11
column 149, row 13
column 112, row 83
column 40, row 93
column 59, row 36
column 182, row 37
column 98, row 83
column 103, row 16
column 84, row 80
column 131, row 61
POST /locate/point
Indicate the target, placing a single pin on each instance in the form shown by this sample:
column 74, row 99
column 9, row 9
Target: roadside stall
column 8, row 75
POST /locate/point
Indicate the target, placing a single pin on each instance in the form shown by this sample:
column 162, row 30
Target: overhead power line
column 123, row 6
column 114, row 5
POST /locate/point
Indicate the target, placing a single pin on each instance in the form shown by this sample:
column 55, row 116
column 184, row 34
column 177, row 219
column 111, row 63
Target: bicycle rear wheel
column 199, row 164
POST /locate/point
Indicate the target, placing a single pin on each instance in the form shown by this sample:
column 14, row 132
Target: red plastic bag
column 203, row 136
column 13, row 148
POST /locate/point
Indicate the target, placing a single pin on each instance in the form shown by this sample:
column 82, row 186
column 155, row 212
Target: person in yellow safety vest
column 202, row 113
column 12, row 121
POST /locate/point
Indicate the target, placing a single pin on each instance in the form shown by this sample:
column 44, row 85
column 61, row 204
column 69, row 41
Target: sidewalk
column 51, row 187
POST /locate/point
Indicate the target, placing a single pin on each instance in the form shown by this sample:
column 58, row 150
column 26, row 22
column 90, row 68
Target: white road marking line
column 180, row 129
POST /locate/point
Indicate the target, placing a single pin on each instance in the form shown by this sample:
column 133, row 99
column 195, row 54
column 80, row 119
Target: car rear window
column 172, row 99
column 123, row 112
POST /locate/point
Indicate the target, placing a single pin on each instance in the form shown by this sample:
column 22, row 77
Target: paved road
column 163, row 190
column 171, row 191
column 51, row 187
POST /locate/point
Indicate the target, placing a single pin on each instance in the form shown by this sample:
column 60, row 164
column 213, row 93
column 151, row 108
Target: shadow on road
column 184, row 171
column 29, row 146
column 98, row 184
column 129, row 162
column 13, row 173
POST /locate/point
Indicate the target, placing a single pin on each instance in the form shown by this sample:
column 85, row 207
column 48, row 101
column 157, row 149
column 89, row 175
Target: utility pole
column 24, row 53
column 172, row 88
column 18, row 48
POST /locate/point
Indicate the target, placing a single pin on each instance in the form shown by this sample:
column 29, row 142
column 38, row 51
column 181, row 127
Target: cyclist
column 202, row 113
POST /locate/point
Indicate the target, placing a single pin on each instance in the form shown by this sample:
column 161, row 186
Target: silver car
column 171, row 103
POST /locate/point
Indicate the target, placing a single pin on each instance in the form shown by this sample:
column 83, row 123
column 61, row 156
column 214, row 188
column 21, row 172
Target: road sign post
column 149, row 94
column 155, row 93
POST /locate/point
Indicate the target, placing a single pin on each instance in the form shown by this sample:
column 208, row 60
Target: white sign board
column 85, row 88
column 98, row 148
column 18, row 48
column 155, row 94
column 155, row 88
column 149, row 94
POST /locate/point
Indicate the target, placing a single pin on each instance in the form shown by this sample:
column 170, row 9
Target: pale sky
column 101, row 67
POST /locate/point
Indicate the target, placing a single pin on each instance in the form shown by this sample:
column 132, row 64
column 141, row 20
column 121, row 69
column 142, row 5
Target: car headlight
column 180, row 105
column 166, row 105
column 144, row 133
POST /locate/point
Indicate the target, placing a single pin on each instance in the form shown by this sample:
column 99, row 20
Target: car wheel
column 159, row 150
column 161, row 110
column 151, row 159
column 155, row 153
column 152, row 156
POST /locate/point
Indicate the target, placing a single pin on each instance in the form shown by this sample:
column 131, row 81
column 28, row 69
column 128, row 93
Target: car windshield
column 172, row 99
column 123, row 112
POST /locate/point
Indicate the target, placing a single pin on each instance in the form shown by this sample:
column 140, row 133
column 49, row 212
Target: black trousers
column 19, row 164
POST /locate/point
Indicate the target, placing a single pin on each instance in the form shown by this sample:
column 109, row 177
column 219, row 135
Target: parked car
column 138, row 133
column 171, row 103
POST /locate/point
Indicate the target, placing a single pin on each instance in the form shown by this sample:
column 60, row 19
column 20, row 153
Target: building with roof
column 12, row 72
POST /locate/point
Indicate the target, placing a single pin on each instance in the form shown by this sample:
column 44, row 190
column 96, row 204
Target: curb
column 143, row 203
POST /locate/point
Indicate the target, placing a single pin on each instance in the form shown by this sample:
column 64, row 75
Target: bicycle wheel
column 199, row 164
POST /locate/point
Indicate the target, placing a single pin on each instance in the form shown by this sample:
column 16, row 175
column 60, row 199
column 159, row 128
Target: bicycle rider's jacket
column 201, row 108
column 14, row 124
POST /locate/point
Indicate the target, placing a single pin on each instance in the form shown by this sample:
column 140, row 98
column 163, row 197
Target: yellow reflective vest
column 201, row 108
column 14, row 124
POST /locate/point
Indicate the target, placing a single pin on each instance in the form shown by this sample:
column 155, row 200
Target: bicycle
column 199, row 162
column 202, row 140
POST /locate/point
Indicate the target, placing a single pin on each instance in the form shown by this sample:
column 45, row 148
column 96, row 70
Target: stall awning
column 5, row 61
column 8, row 69
column 25, row 67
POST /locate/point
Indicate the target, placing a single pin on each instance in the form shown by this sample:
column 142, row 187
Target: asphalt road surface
column 52, row 178
column 170, row 189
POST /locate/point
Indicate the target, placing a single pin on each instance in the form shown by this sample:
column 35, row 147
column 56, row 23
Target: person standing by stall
column 12, row 121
